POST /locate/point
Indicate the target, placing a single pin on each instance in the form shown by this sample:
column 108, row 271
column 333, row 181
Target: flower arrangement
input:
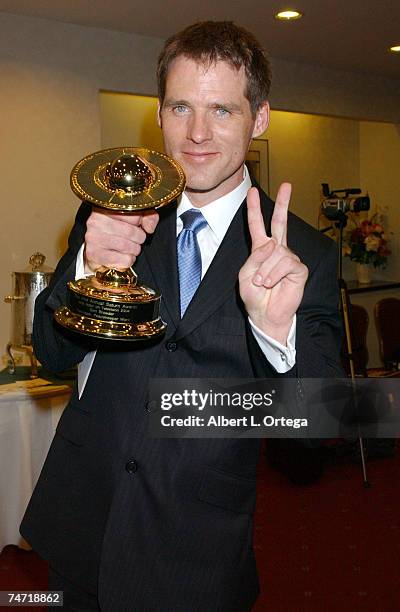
column 366, row 242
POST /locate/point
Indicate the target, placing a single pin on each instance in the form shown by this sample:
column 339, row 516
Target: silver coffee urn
column 27, row 285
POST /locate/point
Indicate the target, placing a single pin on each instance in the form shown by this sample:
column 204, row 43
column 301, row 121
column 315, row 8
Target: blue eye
column 180, row 109
column 222, row 112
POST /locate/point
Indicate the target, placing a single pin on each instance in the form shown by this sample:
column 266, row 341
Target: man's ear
column 262, row 120
column 159, row 114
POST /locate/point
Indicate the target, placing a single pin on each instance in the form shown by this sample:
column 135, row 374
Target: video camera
column 338, row 202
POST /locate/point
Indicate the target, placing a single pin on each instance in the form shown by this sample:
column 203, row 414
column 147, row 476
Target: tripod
column 340, row 223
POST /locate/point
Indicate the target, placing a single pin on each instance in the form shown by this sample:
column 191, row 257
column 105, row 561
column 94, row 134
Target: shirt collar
column 219, row 214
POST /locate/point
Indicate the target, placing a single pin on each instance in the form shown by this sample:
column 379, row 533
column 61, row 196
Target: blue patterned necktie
column 189, row 256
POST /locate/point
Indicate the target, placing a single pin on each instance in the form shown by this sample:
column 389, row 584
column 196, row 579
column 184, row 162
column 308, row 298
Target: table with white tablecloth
column 28, row 419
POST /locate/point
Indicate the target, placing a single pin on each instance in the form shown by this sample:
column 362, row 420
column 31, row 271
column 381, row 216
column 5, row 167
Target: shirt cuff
column 281, row 357
column 84, row 366
column 80, row 265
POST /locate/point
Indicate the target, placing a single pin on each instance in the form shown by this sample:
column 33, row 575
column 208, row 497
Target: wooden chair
column 387, row 320
column 359, row 322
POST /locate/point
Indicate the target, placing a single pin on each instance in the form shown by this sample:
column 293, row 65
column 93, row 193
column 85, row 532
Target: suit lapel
column 160, row 253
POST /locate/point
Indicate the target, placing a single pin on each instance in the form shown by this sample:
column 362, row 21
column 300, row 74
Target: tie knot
column 193, row 220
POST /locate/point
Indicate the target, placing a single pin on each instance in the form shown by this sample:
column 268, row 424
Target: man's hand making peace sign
column 273, row 278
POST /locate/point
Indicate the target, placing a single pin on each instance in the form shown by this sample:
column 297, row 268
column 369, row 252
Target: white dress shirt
column 219, row 215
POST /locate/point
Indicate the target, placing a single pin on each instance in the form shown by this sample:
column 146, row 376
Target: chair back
column 387, row 321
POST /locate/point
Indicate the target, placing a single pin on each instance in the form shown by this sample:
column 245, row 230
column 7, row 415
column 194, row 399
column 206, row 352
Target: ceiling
column 346, row 34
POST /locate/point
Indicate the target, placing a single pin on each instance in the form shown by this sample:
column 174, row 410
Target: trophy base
column 108, row 329
column 127, row 312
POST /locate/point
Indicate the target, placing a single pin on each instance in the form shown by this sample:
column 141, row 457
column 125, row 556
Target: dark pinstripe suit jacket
column 176, row 534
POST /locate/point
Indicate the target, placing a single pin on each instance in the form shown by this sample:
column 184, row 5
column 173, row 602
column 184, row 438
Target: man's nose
column 199, row 128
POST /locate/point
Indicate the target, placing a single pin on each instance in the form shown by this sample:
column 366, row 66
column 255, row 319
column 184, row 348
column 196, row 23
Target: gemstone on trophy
column 131, row 173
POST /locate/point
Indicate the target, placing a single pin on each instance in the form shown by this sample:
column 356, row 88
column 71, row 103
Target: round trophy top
column 127, row 179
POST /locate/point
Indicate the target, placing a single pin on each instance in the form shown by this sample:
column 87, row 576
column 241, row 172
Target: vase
column 363, row 273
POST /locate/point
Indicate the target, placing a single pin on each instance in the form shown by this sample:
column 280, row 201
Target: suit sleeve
column 318, row 329
column 56, row 348
column 319, row 325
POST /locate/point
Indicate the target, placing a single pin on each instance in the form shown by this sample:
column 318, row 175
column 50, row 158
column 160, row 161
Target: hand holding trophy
column 111, row 304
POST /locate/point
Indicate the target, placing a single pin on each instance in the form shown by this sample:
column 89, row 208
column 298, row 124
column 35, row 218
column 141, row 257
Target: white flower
column 372, row 243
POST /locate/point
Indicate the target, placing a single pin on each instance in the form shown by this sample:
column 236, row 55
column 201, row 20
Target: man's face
column 207, row 126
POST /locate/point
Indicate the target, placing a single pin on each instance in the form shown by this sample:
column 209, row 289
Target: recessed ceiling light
column 395, row 49
column 288, row 15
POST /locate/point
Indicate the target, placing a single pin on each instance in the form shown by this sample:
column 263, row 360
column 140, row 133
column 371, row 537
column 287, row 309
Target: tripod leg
column 364, row 468
column 345, row 303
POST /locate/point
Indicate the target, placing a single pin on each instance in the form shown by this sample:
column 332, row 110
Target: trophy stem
column 111, row 277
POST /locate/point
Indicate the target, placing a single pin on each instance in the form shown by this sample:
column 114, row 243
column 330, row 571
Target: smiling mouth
column 199, row 156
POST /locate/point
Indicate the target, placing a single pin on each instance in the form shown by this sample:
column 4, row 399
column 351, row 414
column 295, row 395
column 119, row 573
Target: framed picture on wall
column 257, row 161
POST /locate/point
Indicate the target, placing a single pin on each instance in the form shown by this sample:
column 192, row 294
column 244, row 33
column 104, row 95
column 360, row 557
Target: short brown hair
column 211, row 41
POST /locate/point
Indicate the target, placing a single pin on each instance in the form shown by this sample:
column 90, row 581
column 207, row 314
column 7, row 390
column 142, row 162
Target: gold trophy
column 111, row 304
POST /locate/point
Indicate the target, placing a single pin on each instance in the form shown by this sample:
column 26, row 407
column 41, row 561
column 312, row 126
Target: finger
column 288, row 268
column 109, row 259
column 257, row 257
column 130, row 219
column 95, row 250
column 108, row 242
column 149, row 221
column 99, row 227
column 255, row 219
column 279, row 217
column 262, row 272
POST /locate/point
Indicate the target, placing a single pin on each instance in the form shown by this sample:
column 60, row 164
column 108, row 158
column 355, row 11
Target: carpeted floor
column 330, row 546
column 333, row 545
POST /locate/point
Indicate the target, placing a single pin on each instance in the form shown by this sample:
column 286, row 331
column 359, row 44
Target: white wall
column 380, row 175
column 128, row 119
column 307, row 150
column 324, row 91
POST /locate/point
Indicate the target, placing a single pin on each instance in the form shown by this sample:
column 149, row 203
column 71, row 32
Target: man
column 134, row 524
